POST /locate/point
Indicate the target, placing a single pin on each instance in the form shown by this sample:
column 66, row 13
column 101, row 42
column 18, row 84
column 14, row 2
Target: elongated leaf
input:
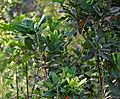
column 70, row 33
column 49, row 93
column 106, row 56
column 42, row 20
column 59, row 1
column 54, row 78
column 88, row 56
column 82, row 82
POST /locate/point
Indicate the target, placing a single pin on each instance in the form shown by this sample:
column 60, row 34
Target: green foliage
column 71, row 54
column 59, row 1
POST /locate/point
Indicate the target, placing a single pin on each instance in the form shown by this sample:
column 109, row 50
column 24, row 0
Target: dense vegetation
column 60, row 49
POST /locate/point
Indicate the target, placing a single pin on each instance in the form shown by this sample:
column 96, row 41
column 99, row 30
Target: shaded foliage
column 73, row 52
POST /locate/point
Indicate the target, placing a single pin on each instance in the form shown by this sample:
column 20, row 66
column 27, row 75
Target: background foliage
column 57, row 49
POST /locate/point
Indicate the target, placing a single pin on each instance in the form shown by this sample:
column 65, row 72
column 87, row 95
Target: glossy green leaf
column 54, row 78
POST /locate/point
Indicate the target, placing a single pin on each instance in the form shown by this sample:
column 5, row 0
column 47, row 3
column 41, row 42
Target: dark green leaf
column 28, row 42
column 54, row 78
column 59, row 1
column 89, row 55
column 106, row 56
column 49, row 93
column 70, row 33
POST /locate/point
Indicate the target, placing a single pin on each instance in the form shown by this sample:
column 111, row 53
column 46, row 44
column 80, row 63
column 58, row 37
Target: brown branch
column 99, row 70
column 27, row 81
column 17, row 87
